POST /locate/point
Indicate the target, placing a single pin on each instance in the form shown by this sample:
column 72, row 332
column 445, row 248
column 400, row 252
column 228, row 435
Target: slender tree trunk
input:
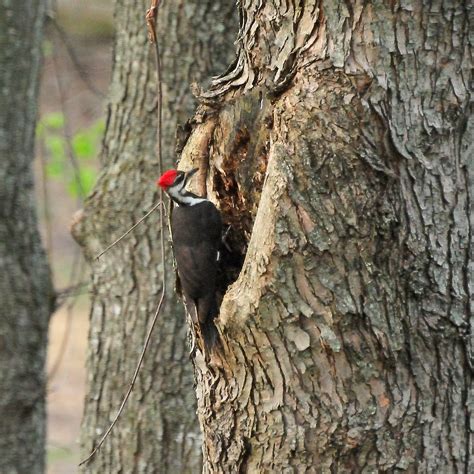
column 342, row 154
column 158, row 431
column 26, row 293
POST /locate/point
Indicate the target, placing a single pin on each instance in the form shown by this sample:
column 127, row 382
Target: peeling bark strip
column 348, row 332
column 26, row 292
column 158, row 432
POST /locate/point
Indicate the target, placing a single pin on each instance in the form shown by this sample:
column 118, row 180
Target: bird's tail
column 207, row 310
column 210, row 336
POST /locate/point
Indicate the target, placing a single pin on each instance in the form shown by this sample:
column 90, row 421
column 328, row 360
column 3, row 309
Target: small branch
column 132, row 383
column 74, row 59
column 47, row 213
column 130, row 230
column 70, row 292
column 151, row 16
column 77, row 267
column 66, row 129
column 151, row 24
column 76, row 274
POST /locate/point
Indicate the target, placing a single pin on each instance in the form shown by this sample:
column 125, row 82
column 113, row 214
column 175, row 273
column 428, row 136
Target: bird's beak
column 191, row 173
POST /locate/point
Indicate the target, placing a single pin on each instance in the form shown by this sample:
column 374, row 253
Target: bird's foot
column 224, row 239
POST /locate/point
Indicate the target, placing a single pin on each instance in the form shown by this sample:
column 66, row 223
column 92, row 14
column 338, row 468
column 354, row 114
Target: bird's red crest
column 167, row 179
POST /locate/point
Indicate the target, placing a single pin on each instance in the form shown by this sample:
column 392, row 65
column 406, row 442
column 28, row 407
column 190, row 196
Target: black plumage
column 196, row 233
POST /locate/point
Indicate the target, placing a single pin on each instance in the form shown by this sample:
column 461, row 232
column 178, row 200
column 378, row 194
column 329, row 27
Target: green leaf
column 99, row 128
column 47, row 48
column 83, row 145
column 40, row 130
column 55, row 146
column 54, row 169
column 53, row 120
column 87, row 177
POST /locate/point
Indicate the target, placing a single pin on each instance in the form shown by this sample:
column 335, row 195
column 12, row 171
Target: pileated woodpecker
column 196, row 228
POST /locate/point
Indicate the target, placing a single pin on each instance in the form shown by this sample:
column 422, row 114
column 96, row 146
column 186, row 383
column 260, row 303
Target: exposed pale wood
column 158, row 431
column 348, row 333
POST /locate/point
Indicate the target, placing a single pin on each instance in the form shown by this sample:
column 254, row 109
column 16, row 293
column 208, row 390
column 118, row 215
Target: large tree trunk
column 342, row 154
column 26, row 293
column 158, row 432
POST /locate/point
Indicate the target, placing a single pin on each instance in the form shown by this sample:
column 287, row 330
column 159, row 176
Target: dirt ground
column 66, row 391
column 89, row 29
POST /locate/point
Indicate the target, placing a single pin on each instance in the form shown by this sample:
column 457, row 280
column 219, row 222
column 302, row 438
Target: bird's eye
column 179, row 178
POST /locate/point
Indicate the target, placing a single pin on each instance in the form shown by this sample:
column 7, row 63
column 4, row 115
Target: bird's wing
column 197, row 268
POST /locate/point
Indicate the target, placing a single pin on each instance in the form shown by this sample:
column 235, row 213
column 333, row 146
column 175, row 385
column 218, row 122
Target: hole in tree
column 238, row 186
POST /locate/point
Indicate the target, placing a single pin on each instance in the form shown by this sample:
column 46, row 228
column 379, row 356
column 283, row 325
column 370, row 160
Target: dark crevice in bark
column 236, row 217
column 159, row 431
column 367, row 202
column 238, row 177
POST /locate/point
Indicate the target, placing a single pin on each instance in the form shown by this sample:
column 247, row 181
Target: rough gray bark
column 158, row 431
column 342, row 153
column 26, row 292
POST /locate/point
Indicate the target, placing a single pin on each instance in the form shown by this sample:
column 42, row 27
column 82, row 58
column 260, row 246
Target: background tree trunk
column 341, row 151
column 158, row 431
column 26, row 291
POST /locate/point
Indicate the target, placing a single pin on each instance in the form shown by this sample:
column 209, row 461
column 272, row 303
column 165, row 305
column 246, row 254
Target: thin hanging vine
column 151, row 17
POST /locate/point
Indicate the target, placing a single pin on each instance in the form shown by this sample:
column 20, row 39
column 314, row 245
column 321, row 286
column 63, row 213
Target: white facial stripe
column 176, row 189
column 190, row 200
column 173, row 192
column 181, row 196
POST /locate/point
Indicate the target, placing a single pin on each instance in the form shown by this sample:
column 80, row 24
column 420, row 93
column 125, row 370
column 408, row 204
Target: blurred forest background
column 74, row 82
column 384, row 329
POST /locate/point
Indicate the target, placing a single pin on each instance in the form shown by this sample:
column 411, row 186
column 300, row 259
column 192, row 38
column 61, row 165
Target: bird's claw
column 224, row 239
